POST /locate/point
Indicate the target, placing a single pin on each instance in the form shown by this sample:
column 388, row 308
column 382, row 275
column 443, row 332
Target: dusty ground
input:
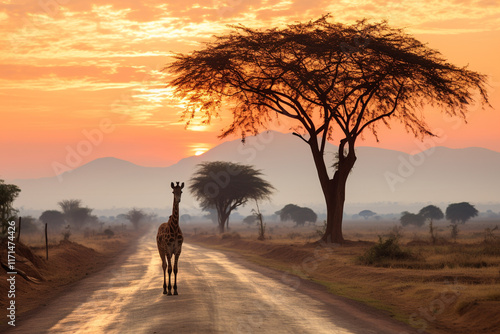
column 450, row 289
column 68, row 263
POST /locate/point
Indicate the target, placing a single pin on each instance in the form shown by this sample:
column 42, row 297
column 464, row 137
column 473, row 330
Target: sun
column 199, row 152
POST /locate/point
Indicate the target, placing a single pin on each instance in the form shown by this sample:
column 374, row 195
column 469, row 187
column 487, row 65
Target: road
column 218, row 293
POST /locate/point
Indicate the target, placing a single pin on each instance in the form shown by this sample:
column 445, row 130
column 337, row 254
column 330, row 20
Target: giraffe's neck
column 175, row 214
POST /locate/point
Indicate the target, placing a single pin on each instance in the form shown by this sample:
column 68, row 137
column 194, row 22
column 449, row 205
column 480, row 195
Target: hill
column 382, row 180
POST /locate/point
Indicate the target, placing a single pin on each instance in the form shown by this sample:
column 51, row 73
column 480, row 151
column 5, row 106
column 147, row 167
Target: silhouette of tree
column 328, row 79
column 250, row 220
column 408, row 218
column 430, row 213
column 76, row 215
column 135, row 216
column 460, row 212
column 54, row 219
column 366, row 214
column 30, row 225
column 225, row 186
column 299, row 215
column 8, row 193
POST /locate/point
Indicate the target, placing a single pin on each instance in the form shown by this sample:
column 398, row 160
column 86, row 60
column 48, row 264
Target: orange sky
column 80, row 80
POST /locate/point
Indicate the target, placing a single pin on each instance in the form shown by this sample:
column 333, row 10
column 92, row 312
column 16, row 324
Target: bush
column 66, row 232
column 384, row 250
column 109, row 233
column 231, row 236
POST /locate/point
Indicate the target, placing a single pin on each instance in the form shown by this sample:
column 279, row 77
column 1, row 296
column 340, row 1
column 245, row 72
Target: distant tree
column 136, row 216
column 30, row 225
column 299, row 215
column 366, row 214
column 460, row 212
column 109, row 233
column 430, row 213
column 330, row 80
column 226, row 185
column 8, row 193
column 260, row 222
column 250, row 220
column 76, row 215
column 408, row 218
column 54, row 219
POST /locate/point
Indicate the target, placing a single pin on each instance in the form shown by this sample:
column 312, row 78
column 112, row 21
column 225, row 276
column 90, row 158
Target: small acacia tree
column 225, row 186
column 331, row 80
column 54, row 219
column 135, row 216
column 299, row 215
column 408, row 218
column 366, row 214
column 431, row 212
column 76, row 215
column 460, row 212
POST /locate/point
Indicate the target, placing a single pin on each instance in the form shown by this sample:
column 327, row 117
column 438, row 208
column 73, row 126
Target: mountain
column 382, row 180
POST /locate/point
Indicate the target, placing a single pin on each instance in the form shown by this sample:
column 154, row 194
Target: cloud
column 97, row 73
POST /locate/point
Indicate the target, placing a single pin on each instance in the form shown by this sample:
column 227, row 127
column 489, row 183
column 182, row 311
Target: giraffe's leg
column 169, row 272
column 164, row 266
column 175, row 271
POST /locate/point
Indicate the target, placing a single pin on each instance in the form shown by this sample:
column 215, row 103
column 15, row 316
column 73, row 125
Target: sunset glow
column 73, row 72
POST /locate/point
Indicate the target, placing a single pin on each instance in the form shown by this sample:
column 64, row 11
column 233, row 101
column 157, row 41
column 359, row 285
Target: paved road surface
column 218, row 293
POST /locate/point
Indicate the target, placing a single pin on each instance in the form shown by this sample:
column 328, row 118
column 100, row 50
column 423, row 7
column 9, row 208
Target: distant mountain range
column 383, row 180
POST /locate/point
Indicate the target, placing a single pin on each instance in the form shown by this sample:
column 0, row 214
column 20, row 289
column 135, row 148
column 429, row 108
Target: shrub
column 66, row 232
column 384, row 250
column 231, row 236
column 109, row 233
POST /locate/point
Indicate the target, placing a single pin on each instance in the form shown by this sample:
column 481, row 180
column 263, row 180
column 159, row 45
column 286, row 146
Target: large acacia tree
column 225, row 185
column 334, row 81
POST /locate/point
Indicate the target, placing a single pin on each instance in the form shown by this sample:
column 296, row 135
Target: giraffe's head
column 177, row 191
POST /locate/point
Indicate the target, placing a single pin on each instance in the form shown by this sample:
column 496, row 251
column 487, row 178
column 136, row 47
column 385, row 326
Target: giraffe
column 169, row 240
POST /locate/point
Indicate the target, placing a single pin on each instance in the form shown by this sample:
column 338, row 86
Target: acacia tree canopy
column 297, row 214
column 408, row 218
column 431, row 212
column 460, row 212
column 226, row 185
column 76, row 215
column 333, row 80
column 135, row 216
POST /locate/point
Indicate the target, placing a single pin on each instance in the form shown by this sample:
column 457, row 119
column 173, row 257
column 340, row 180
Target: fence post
column 19, row 231
column 46, row 243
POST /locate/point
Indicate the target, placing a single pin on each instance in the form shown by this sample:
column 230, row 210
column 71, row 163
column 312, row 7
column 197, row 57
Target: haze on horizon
column 74, row 73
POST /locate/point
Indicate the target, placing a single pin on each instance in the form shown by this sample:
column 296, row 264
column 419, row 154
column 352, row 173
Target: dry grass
column 69, row 261
column 441, row 288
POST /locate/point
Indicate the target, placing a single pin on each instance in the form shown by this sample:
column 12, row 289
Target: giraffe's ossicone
column 169, row 240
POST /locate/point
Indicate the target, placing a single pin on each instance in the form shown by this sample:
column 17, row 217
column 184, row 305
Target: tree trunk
column 334, row 189
column 223, row 219
column 335, row 200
